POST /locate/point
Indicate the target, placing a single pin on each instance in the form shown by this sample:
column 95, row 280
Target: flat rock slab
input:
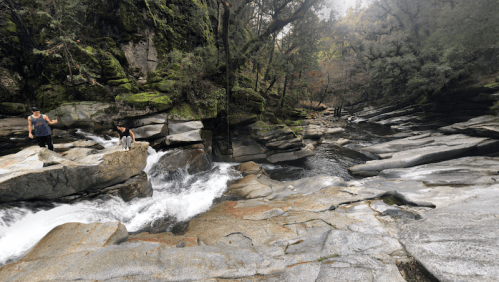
column 485, row 126
column 37, row 173
column 181, row 127
column 415, row 151
column 150, row 131
column 193, row 136
column 458, row 242
column 290, row 156
column 466, row 171
column 16, row 126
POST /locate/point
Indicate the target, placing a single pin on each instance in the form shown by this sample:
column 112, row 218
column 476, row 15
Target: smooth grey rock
column 192, row 160
column 313, row 132
column 305, row 186
column 285, row 144
column 142, row 55
column 282, row 157
column 82, row 114
column 458, row 242
column 75, row 154
column 182, row 127
column 247, row 148
column 150, row 131
column 443, row 148
column 484, row 126
column 182, row 138
column 159, row 118
column 334, row 130
column 459, row 172
column 37, row 173
column 358, row 268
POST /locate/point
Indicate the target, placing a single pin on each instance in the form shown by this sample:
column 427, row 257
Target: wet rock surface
column 193, row 160
column 37, row 173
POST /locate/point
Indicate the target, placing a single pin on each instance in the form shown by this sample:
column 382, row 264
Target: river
column 23, row 224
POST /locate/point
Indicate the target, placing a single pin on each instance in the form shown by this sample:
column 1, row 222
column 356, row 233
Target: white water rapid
column 188, row 195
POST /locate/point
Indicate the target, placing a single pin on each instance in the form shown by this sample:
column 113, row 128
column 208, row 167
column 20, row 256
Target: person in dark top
column 125, row 136
column 43, row 133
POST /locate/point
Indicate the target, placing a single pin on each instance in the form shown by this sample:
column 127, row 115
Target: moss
column 249, row 98
column 51, row 96
column 118, row 82
column 128, row 87
column 128, row 17
column 493, row 85
column 111, row 68
column 11, row 26
column 166, row 86
column 184, row 112
column 142, row 100
column 12, row 108
column 239, row 118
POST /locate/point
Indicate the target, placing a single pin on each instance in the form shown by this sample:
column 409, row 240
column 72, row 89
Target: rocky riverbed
column 427, row 202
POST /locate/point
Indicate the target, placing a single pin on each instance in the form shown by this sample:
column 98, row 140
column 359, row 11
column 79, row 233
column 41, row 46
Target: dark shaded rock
column 193, row 160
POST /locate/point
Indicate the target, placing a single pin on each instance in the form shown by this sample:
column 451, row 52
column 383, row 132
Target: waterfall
column 21, row 227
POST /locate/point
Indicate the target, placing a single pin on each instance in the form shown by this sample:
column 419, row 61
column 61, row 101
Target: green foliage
column 418, row 48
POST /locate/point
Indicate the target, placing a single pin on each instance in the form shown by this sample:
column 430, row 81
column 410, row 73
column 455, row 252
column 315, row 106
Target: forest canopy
column 264, row 53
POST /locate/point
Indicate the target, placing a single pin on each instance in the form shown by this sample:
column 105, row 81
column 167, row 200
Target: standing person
column 43, row 133
column 125, row 140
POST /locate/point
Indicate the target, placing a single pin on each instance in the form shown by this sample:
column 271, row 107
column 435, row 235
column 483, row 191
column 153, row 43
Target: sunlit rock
column 37, row 173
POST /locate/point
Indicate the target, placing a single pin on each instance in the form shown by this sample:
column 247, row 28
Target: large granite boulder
column 138, row 186
column 193, row 160
column 37, row 173
column 94, row 115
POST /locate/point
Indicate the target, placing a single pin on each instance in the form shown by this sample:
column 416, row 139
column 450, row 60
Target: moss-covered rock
column 166, row 86
column 156, row 100
column 186, row 112
column 249, row 98
column 51, row 96
column 12, row 108
column 111, row 68
column 117, row 82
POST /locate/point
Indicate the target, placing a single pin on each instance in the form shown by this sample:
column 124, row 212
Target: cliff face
column 59, row 51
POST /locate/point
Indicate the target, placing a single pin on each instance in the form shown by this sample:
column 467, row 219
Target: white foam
column 21, row 229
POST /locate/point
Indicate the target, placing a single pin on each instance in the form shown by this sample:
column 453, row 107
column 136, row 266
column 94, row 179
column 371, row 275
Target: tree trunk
column 284, row 90
column 225, row 37
column 271, row 84
column 266, row 77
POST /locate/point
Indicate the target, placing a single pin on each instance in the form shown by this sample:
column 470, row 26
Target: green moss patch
column 12, row 108
column 152, row 99
column 493, row 85
column 166, row 86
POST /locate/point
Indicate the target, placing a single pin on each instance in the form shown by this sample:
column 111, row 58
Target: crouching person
column 126, row 137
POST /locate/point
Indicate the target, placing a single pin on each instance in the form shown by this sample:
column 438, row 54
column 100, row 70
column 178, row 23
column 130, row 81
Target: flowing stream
column 23, row 224
column 21, row 227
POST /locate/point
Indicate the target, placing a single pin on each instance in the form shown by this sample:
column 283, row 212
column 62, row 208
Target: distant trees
column 419, row 48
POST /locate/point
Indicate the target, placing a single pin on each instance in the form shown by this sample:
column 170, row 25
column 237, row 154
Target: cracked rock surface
column 37, row 173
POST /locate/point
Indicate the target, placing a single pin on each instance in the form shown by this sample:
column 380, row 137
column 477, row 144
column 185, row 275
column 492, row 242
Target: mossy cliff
column 151, row 53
